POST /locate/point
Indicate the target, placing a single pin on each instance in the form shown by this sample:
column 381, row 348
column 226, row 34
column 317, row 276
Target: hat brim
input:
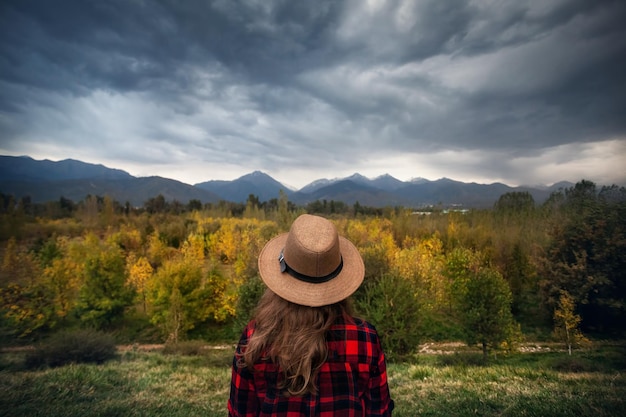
column 311, row 294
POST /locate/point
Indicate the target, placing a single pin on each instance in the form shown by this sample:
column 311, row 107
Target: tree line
column 170, row 271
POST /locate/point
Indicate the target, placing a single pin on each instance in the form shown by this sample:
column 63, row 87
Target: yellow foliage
column 193, row 248
column 18, row 264
column 63, row 279
column 129, row 238
column 158, row 251
column 375, row 241
column 370, row 232
column 11, row 259
column 567, row 322
column 422, row 262
column 139, row 273
column 27, row 307
column 239, row 241
column 184, row 296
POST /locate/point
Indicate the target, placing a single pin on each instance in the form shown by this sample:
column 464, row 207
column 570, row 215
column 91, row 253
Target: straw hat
column 311, row 265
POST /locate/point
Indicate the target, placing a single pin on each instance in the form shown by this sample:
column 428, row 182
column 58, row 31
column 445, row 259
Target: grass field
column 590, row 383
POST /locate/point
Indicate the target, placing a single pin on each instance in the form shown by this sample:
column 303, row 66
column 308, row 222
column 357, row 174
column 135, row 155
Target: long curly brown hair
column 293, row 337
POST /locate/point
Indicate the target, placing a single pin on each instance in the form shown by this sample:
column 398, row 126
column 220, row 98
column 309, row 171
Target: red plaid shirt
column 352, row 382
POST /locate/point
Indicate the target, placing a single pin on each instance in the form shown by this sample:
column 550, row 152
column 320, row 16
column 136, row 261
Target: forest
column 170, row 271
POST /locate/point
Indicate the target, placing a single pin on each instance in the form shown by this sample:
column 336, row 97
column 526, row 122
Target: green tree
column 389, row 303
column 483, row 305
column 169, row 291
column 104, row 294
column 156, row 204
column 515, row 202
column 520, row 274
column 183, row 297
column 249, row 294
column 175, row 320
column 194, row 205
column 586, row 255
column 48, row 252
column 460, row 264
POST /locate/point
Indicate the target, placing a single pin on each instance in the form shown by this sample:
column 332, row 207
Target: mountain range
column 44, row 180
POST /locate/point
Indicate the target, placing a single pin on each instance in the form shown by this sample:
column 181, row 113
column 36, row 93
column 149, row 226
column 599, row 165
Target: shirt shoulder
column 353, row 341
column 354, row 325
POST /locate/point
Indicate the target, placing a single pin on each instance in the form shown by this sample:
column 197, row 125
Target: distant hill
column 387, row 182
column 449, row 192
column 388, row 191
column 316, row 185
column 349, row 192
column 384, row 182
column 24, row 168
column 47, row 181
column 256, row 183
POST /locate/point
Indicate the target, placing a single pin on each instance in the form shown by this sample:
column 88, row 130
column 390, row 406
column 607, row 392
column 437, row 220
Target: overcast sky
column 521, row 92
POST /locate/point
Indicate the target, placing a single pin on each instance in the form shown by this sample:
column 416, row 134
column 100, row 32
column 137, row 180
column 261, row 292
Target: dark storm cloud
column 79, row 46
column 511, row 73
column 262, row 80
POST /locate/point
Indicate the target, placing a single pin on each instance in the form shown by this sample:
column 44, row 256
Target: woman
column 303, row 354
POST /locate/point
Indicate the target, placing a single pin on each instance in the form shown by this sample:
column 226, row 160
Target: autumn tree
column 253, row 208
column 129, row 239
column 27, row 308
column 62, row 276
column 139, row 273
column 157, row 250
column 26, row 303
column 107, row 216
column 375, row 239
column 236, row 243
column 19, row 265
column 285, row 217
column 566, row 322
column 89, row 209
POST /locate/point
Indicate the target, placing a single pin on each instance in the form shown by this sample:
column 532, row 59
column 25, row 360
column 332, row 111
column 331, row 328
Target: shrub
column 73, row 346
column 573, row 364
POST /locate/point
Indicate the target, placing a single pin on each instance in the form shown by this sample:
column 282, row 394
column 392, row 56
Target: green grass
column 589, row 383
column 138, row 384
